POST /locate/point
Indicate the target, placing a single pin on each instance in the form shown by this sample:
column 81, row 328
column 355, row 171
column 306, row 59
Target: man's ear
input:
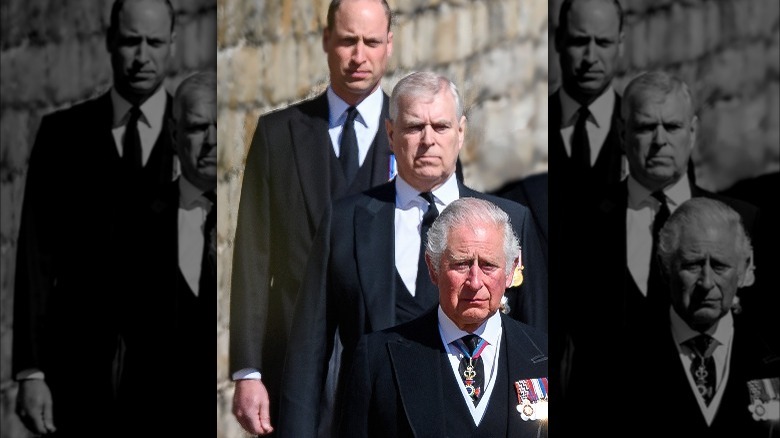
column 516, row 276
column 325, row 37
column 748, row 277
column 390, row 133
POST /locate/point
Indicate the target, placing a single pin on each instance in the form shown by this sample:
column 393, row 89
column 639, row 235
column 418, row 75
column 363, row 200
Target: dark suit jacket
column 751, row 359
column 350, row 285
column 288, row 183
column 167, row 330
column 74, row 210
column 531, row 191
column 395, row 386
column 606, row 313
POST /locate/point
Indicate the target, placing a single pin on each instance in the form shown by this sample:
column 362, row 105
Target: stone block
column 24, row 73
column 14, row 130
column 637, row 45
column 64, row 71
column 445, row 36
column 404, row 44
column 480, row 26
column 232, row 146
column 230, row 23
column 464, row 35
column 424, row 41
column 657, row 37
column 248, row 75
column 282, row 58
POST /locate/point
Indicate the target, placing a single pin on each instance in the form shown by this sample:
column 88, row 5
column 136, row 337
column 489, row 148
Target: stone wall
column 53, row 56
column 270, row 55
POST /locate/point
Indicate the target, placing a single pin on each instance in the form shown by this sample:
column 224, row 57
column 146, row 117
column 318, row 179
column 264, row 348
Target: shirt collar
column 600, row 109
column 721, row 332
column 676, row 194
column 406, row 196
column 153, row 110
column 190, row 196
column 369, row 110
column 489, row 330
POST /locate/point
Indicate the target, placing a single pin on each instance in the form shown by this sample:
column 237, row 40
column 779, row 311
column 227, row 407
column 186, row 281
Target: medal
column 532, row 398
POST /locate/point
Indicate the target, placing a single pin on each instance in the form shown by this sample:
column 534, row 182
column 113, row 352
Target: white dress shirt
column 491, row 332
column 597, row 125
column 642, row 207
column 723, row 333
column 193, row 209
column 366, row 123
column 409, row 210
column 149, row 124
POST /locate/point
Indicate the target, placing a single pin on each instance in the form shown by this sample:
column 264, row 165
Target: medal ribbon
column 477, row 351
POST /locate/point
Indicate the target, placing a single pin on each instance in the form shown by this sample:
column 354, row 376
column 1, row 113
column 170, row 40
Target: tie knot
column 659, row 196
column 584, row 113
column 135, row 112
column 428, row 196
column 701, row 344
column 352, row 113
column 471, row 342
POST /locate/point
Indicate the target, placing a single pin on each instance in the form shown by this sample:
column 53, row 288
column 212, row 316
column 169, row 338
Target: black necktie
column 703, row 366
column 655, row 285
column 471, row 368
column 425, row 292
column 131, row 142
column 580, row 145
column 348, row 154
column 208, row 270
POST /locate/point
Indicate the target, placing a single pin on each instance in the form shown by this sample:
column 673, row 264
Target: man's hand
column 34, row 406
column 251, row 406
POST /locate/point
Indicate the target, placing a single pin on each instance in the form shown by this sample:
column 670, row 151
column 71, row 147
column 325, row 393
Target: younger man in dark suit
column 90, row 166
column 462, row 369
column 302, row 158
column 366, row 270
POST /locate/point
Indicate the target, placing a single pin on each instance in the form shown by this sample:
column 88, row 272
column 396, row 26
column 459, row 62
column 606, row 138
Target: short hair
column 423, row 84
column 205, row 81
column 116, row 8
column 470, row 212
column 652, row 85
column 563, row 17
column 335, row 4
column 701, row 213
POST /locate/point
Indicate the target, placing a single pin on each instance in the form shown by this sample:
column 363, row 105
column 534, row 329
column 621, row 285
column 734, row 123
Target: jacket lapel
column 381, row 156
column 312, row 148
column 420, row 380
column 374, row 248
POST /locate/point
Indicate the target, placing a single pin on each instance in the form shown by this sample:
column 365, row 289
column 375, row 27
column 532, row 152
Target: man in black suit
column 364, row 272
column 659, row 136
column 300, row 159
column 462, row 369
column 724, row 375
column 173, row 259
column 90, row 165
column 584, row 144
